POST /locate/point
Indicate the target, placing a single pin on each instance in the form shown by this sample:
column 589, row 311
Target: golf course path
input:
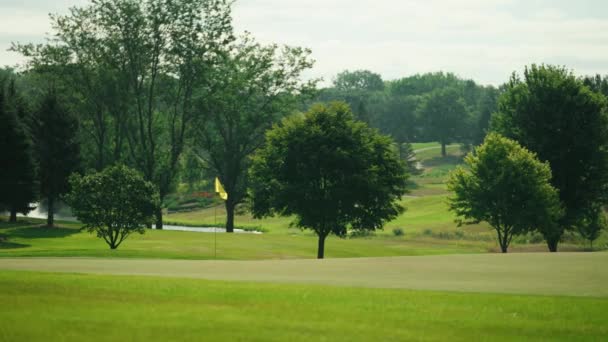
column 574, row 274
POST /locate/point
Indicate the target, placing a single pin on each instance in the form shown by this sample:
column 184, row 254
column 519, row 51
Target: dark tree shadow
column 12, row 245
column 41, row 232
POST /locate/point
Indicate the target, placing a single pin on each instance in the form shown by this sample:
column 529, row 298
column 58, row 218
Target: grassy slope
column 52, row 307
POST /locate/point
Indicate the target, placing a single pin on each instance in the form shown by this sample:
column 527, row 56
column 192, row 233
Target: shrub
column 113, row 203
column 398, row 232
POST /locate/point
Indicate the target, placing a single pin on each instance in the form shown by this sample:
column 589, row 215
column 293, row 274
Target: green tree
column 253, row 87
column 592, row 225
column 444, row 115
column 57, row 149
column 18, row 178
column 362, row 80
column 113, row 203
column 505, row 185
column 331, row 172
column 134, row 66
column 552, row 113
column 597, row 83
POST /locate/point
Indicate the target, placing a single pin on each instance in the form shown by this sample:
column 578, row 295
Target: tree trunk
column 321, row 247
column 13, row 218
column 552, row 244
column 159, row 218
column 50, row 218
column 443, row 149
column 230, row 216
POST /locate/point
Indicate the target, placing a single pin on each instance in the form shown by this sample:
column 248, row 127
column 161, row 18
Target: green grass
column 29, row 238
column 64, row 307
column 576, row 274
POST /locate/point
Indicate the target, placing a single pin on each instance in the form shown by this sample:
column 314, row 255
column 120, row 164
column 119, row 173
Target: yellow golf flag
column 219, row 189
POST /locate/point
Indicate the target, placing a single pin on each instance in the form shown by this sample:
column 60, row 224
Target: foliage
column 398, row 232
column 18, row 176
column 592, row 225
column 550, row 112
column 445, row 116
column 331, row 172
column 57, row 148
column 361, row 80
column 506, row 186
column 135, row 67
column 253, row 87
column 113, row 203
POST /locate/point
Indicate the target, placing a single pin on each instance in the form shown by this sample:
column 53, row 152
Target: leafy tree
column 397, row 117
column 362, row 80
column 506, row 186
column 445, row 115
column 487, row 105
column 113, row 203
column 331, row 172
column 592, row 225
column 57, row 149
column 135, row 66
column 18, row 178
column 253, row 87
column 552, row 113
column 597, row 83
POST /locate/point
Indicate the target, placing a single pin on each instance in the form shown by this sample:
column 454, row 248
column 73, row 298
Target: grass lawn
column 29, row 238
column 68, row 307
column 573, row 274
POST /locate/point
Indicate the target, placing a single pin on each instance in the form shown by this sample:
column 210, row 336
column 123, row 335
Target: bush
column 113, row 203
column 398, row 232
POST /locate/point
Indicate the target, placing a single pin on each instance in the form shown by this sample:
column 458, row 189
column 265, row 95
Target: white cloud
column 481, row 39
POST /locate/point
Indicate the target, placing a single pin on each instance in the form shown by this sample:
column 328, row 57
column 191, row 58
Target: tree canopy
column 254, row 86
column 552, row 113
column 330, row 171
column 18, row 163
column 507, row 186
column 445, row 116
column 57, row 149
column 113, row 203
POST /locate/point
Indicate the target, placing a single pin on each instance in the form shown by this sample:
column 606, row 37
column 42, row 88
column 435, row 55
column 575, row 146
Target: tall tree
column 331, row 172
column 254, row 86
column 445, row 116
column 137, row 64
column 18, row 178
column 57, row 149
column 507, row 186
column 552, row 113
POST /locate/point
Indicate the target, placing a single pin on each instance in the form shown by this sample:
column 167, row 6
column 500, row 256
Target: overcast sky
column 484, row 40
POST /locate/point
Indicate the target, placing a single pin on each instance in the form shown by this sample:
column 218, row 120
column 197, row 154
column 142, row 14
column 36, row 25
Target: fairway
column 572, row 274
column 68, row 307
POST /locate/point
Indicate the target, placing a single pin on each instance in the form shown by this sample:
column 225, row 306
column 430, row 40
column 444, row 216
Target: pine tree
column 18, row 183
column 58, row 150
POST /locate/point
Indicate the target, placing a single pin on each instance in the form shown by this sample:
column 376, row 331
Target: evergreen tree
column 18, row 186
column 58, row 150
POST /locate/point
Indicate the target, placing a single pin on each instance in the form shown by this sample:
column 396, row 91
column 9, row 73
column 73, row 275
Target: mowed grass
column 577, row 274
column 30, row 238
column 68, row 307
